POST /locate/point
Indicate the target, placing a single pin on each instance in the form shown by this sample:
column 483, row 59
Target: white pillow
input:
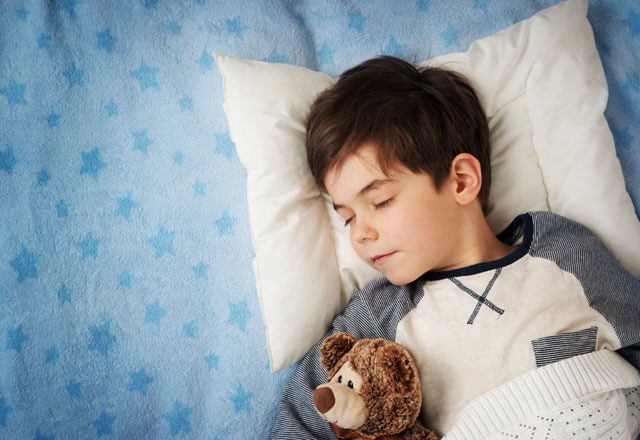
column 543, row 88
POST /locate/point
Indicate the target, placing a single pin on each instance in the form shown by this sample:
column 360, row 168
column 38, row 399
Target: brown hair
column 421, row 119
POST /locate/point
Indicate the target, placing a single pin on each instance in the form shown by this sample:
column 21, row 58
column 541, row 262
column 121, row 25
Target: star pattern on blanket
column 357, row 21
column 53, row 120
column 395, row 49
column 41, row 436
column 239, row 314
column 51, row 355
column 482, row 5
column 225, row 224
column 198, row 188
column 190, row 329
column 124, row 279
column 178, row 418
column 15, row 93
column 112, row 108
column 277, row 57
column 235, row 27
column 7, row 160
column 105, row 40
column 200, row 271
column 43, row 177
column 325, row 54
column 68, row 5
column 22, row 14
column 15, row 338
column 92, row 163
column 104, row 424
column 632, row 83
column 44, row 41
column 141, row 141
column 205, row 61
column 101, row 338
column 5, row 410
column 140, row 381
column 89, row 246
column 25, row 265
column 73, row 388
column 163, row 242
column 450, row 36
column 633, row 22
column 74, row 76
column 125, row 206
column 224, row 145
column 154, row 314
column 62, row 208
column 186, row 103
column 241, row 400
column 64, row 294
column 212, row 362
column 146, row 76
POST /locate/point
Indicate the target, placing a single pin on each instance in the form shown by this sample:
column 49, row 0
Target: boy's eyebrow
column 374, row 184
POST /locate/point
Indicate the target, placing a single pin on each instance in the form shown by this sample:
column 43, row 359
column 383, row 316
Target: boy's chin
column 400, row 279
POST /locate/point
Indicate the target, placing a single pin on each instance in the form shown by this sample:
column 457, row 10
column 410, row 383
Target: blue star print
column 105, row 40
column 632, row 83
column 146, row 76
column 235, row 27
column 198, row 188
column 178, row 418
column 124, row 280
column 163, row 242
column 125, row 205
column 239, row 314
column 633, row 22
column 62, row 209
column 423, row 5
column 450, row 36
column 482, row 5
column 175, row 28
column 205, row 61
column 395, row 49
column 225, row 224
column 224, row 145
column 22, row 14
column 186, row 104
column 4, row 411
column 149, row 4
column 140, row 381
column 15, row 93
column 101, row 338
column 154, row 313
column 67, row 5
column 64, row 294
column 75, row 76
column 53, row 120
column 141, row 141
column 7, row 160
column 111, row 108
column 325, row 55
column 89, row 246
column 356, row 21
column 44, row 41
column 190, row 329
column 15, row 339
column 200, row 270
column 104, row 424
column 212, row 362
column 40, row 436
column 92, row 163
column 43, row 177
column 51, row 355
column 73, row 388
column 178, row 157
column 25, row 265
column 241, row 400
column 277, row 57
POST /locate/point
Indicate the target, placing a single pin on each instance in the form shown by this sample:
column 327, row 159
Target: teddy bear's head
column 373, row 386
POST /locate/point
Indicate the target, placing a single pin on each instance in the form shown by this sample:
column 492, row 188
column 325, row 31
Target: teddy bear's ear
column 334, row 347
column 400, row 369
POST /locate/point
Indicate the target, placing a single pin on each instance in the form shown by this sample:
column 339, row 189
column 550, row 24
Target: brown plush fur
column 390, row 385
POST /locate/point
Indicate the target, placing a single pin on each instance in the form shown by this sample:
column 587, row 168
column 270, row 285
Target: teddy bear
column 373, row 391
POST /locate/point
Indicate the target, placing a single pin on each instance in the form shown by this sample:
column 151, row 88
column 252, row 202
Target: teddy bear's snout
column 323, row 399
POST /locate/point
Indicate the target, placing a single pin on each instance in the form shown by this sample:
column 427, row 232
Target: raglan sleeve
column 297, row 417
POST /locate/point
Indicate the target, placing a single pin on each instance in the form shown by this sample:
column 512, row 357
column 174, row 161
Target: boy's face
column 399, row 224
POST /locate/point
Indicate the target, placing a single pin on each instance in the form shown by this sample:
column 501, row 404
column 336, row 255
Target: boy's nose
column 363, row 231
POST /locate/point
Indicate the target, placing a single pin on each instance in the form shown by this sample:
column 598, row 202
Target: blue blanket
column 128, row 307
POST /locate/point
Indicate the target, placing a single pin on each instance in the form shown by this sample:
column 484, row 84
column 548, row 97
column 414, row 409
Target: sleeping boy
column 404, row 155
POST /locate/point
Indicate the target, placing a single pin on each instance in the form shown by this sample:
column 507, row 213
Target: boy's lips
column 379, row 259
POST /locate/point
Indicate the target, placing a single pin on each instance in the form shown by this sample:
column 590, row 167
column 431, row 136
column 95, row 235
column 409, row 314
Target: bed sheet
column 128, row 306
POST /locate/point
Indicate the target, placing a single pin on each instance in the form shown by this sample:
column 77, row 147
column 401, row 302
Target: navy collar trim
column 521, row 226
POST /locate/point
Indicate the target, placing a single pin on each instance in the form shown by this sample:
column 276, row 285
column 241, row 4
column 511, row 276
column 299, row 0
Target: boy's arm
column 297, row 417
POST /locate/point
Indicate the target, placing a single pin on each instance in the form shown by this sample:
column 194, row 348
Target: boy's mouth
column 379, row 259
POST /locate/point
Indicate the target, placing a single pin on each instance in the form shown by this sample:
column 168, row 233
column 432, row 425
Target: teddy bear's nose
column 323, row 399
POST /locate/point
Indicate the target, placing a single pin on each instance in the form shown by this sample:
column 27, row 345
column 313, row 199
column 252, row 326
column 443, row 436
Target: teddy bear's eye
column 339, row 379
column 350, row 384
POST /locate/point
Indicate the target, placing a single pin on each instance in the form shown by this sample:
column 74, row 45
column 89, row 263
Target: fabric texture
column 544, row 91
column 471, row 330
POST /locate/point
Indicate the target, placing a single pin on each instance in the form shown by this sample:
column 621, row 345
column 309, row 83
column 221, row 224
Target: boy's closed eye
column 375, row 205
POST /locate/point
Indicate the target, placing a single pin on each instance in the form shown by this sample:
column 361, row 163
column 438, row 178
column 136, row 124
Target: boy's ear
column 466, row 175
